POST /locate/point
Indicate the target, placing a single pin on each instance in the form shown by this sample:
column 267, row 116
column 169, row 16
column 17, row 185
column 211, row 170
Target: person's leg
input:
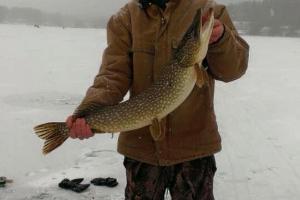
column 193, row 180
column 144, row 181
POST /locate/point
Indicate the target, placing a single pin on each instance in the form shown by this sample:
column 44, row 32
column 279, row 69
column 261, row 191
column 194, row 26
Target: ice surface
column 44, row 74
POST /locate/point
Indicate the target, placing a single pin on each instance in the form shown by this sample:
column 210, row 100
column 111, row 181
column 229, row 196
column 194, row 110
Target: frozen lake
column 45, row 73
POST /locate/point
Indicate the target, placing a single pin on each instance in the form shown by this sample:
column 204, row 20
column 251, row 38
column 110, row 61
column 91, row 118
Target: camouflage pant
column 192, row 180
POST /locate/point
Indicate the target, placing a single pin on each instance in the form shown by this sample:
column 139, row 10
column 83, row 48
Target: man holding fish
column 141, row 39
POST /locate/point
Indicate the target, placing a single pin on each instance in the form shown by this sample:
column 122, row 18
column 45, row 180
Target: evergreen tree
column 281, row 17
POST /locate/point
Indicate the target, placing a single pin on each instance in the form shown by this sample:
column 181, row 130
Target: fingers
column 80, row 132
column 89, row 131
column 217, row 31
column 70, row 121
column 73, row 130
column 79, row 129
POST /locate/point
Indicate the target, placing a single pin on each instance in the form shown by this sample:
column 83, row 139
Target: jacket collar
column 179, row 4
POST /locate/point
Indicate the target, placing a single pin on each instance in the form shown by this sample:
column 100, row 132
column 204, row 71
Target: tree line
column 32, row 16
column 267, row 17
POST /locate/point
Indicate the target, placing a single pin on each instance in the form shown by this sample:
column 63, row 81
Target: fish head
column 194, row 45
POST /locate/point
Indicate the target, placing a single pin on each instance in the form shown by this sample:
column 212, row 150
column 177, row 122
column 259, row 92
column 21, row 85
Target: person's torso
column 192, row 127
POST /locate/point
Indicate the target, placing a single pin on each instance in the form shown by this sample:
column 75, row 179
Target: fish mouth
column 194, row 45
column 199, row 32
column 199, row 27
column 196, row 25
column 195, row 28
column 202, row 33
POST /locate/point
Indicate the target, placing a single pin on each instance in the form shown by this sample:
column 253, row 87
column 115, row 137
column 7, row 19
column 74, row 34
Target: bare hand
column 218, row 29
column 79, row 128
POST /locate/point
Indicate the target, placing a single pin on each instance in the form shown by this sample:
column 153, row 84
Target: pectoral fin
column 200, row 76
column 157, row 130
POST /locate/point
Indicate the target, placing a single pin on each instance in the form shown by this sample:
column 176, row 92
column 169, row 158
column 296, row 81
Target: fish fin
column 85, row 108
column 157, row 130
column 55, row 134
column 200, row 81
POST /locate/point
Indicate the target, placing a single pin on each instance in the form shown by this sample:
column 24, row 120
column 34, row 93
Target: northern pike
column 173, row 86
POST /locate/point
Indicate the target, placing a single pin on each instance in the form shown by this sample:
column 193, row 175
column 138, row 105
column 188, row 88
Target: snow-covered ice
column 45, row 72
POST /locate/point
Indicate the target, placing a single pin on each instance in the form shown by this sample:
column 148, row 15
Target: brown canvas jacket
column 139, row 44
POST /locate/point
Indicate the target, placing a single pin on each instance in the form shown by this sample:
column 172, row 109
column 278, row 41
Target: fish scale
column 140, row 110
column 173, row 86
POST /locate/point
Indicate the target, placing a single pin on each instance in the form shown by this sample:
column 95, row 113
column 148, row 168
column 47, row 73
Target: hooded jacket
column 139, row 43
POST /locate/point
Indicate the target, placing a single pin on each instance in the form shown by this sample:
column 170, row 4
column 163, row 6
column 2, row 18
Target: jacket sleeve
column 228, row 58
column 114, row 78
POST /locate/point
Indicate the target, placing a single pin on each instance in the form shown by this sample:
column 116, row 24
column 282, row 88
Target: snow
column 44, row 75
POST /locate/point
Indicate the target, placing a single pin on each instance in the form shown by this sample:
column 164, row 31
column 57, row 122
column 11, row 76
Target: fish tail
column 55, row 134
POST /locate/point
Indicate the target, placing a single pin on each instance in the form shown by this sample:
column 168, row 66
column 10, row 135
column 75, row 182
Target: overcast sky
column 79, row 7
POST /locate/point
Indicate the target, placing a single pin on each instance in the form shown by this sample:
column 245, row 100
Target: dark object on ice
column 4, row 180
column 73, row 185
column 109, row 182
column 77, row 180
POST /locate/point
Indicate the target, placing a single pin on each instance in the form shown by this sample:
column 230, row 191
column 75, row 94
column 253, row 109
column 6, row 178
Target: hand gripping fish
column 172, row 87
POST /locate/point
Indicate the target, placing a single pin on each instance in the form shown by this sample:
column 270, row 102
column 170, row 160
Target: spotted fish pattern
column 172, row 87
